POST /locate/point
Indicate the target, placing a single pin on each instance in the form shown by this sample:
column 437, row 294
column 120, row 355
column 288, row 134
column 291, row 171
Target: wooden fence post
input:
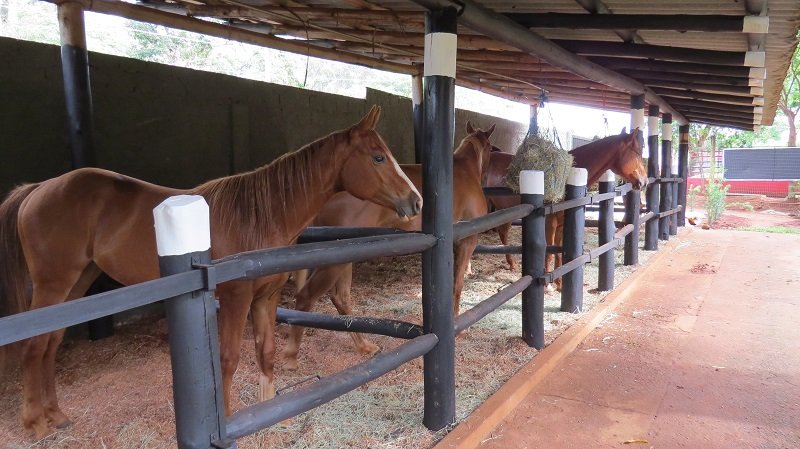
column 683, row 171
column 652, row 192
column 605, row 233
column 437, row 215
column 666, row 172
column 534, row 245
column 633, row 204
column 183, row 239
column 574, row 224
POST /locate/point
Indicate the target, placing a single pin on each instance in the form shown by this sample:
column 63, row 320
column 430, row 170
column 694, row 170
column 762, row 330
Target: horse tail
column 14, row 297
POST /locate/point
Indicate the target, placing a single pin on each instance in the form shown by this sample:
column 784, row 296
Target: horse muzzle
column 409, row 207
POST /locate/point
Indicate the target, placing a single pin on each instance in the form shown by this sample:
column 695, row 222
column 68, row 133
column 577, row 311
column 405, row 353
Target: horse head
column 629, row 163
column 371, row 172
column 480, row 144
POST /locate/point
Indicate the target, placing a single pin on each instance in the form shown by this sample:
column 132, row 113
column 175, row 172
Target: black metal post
column 192, row 324
column 633, row 203
column 666, row 172
column 683, row 171
column 534, row 245
column 653, row 189
column 437, row 216
column 78, row 96
column 572, row 282
column 417, row 116
column 605, row 234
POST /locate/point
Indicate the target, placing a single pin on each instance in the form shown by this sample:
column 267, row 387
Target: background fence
column 752, row 171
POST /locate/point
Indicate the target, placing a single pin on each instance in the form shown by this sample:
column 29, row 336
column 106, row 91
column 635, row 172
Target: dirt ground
column 118, row 390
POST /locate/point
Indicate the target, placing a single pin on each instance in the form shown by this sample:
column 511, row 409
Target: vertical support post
column 417, row 116
column 574, row 224
column 605, row 233
column 683, row 171
column 78, row 96
column 77, row 88
column 666, row 172
column 533, row 124
column 183, row 239
column 653, row 189
column 673, row 219
column 637, row 116
column 534, row 247
column 633, row 202
column 437, row 216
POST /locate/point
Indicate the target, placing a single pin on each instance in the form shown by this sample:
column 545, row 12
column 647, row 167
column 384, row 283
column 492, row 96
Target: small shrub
column 794, row 191
column 693, row 191
column 715, row 199
column 741, row 206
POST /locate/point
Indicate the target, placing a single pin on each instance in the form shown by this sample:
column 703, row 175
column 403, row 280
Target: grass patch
column 770, row 229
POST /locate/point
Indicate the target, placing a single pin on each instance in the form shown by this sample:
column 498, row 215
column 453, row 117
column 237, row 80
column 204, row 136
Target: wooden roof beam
column 649, row 77
column 718, row 98
column 678, row 54
column 597, row 7
column 676, row 22
column 617, row 63
column 499, row 27
column 145, row 14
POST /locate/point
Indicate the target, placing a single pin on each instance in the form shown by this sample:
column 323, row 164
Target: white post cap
column 531, row 182
column 577, row 177
column 608, row 176
column 182, row 225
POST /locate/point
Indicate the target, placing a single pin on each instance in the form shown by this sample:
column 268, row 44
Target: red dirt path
column 689, row 360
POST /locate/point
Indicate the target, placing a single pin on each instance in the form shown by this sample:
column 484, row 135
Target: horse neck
column 271, row 205
column 596, row 158
column 468, row 157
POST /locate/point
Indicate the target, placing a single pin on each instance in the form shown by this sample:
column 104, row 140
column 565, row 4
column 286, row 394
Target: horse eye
column 378, row 158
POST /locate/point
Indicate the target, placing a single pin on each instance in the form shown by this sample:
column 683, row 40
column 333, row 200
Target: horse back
column 93, row 215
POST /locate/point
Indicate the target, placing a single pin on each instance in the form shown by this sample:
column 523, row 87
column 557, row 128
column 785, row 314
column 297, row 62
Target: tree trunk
column 791, row 116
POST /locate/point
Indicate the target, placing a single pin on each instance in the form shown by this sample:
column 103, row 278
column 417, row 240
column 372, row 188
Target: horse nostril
column 417, row 206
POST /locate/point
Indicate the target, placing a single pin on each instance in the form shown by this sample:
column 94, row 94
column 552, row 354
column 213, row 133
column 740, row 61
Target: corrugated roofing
column 701, row 74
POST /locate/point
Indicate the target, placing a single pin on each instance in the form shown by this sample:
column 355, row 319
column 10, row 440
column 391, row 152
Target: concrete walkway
column 703, row 351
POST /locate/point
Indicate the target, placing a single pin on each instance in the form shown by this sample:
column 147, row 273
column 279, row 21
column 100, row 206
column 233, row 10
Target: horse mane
column 253, row 205
column 602, row 143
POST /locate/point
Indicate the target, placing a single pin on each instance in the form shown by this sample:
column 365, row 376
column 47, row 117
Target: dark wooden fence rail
column 362, row 244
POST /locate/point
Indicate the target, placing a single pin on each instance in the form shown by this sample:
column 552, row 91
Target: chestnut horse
column 61, row 233
column 469, row 202
column 621, row 154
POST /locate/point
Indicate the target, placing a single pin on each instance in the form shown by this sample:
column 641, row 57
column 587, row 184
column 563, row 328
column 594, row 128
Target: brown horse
column 61, row 233
column 344, row 210
column 621, row 154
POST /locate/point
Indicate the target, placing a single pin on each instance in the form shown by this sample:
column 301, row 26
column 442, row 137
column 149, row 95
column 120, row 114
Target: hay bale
column 538, row 153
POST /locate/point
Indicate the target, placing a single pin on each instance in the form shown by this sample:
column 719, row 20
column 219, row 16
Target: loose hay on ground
column 119, row 390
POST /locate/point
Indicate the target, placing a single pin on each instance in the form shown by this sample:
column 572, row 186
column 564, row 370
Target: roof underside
column 691, row 54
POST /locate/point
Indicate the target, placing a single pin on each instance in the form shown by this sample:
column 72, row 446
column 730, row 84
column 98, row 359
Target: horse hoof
column 369, row 348
column 40, row 429
column 58, row 419
column 290, row 364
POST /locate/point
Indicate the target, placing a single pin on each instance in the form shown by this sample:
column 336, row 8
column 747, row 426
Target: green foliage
column 741, row 206
column 794, row 190
column 715, row 191
column 692, row 192
column 770, row 229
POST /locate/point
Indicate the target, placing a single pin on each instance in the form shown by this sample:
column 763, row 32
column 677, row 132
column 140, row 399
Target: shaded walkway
column 703, row 352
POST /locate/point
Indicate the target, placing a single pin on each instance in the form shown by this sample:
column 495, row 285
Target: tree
column 789, row 102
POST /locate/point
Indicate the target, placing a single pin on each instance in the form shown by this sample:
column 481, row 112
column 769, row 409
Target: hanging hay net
column 537, row 152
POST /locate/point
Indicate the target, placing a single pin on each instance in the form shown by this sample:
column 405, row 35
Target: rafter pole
column 676, row 22
column 504, row 29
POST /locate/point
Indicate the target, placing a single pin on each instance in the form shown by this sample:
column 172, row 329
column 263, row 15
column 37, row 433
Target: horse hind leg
column 502, row 232
column 40, row 404
column 55, row 416
column 340, row 295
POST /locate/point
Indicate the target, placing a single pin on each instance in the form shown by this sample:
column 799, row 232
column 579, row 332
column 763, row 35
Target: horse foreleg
column 559, row 239
column 550, row 227
column 263, row 311
column 502, row 232
column 340, row 295
column 462, row 250
column 317, row 285
column 235, row 299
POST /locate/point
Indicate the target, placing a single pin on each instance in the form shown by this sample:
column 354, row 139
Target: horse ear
column 470, row 128
column 370, row 120
column 624, row 129
column 491, row 130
